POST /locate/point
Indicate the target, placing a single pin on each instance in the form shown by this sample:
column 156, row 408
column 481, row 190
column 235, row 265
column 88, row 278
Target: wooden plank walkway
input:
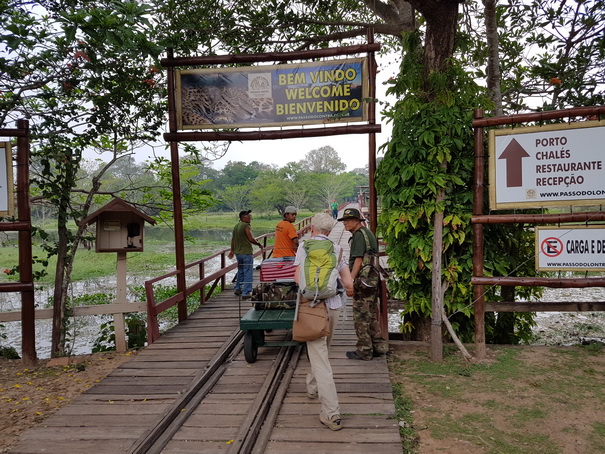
column 111, row 416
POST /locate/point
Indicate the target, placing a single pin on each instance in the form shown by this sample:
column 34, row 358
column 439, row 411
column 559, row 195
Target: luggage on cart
column 274, row 304
column 275, row 269
column 277, row 289
column 275, row 295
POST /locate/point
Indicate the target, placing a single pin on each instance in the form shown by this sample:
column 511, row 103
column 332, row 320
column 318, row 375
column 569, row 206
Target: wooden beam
column 102, row 309
column 538, row 116
column 269, row 56
column 540, row 282
column 552, row 306
column 538, row 218
column 195, row 136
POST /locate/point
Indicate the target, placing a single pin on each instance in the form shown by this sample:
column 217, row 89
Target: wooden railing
column 214, row 280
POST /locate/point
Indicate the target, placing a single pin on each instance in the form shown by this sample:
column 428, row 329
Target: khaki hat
column 290, row 209
column 351, row 213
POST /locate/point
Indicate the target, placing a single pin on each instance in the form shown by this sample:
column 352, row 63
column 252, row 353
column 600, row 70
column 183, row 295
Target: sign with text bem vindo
column 553, row 165
column 332, row 91
column 7, row 201
column 570, row 248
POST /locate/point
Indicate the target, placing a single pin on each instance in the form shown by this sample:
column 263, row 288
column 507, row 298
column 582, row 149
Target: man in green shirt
column 370, row 340
column 241, row 246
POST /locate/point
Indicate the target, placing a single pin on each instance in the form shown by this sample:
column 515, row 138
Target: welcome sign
column 273, row 95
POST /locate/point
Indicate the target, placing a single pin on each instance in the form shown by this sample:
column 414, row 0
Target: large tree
column 83, row 74
column 88, row 60
column 323, row 160
column 430, row 130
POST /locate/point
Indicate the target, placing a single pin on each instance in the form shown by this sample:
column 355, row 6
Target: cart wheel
column 250, row 350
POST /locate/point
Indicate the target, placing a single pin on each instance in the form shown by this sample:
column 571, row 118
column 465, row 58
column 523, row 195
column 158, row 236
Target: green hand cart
column 273, row 307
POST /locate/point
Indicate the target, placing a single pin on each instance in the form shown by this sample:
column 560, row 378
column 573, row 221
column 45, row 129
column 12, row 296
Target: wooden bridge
column 146, row 405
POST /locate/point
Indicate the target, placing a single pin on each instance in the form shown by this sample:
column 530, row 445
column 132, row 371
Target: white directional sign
column 554, row 165
column 6, row 180
column 572, row 248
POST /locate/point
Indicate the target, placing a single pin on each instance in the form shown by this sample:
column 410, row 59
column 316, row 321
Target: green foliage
column 552, row 53
column 8, row 353
column 323, row 160
column 106, row 341
column 136, row 333
column 194, row 195
column 404, row 410
column 163, row 292
column 431, row 151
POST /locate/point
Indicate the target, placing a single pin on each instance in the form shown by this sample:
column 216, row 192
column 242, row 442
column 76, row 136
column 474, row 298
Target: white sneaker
column 333, row 424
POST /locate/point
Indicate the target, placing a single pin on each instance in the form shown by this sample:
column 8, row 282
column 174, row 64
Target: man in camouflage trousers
column 370, row 340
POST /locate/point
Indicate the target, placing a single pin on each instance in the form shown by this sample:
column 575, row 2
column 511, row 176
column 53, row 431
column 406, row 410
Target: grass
column 158, row 256
column 515, row 403
column 156, row 259
column 260, row 222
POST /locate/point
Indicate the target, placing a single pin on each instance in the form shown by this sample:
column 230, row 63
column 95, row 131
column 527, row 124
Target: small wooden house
column 120, row 227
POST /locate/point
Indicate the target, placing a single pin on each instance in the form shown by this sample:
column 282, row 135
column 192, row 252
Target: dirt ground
column 521, row 399
column 530, row 400
column 29, row 395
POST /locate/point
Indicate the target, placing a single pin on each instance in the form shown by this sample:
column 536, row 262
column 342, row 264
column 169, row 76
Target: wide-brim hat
column 244, row 213
column 351, row 213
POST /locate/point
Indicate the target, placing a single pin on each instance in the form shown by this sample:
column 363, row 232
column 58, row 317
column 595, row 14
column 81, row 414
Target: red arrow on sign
column 514, row 153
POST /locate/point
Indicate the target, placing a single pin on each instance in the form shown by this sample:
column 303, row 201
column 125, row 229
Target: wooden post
column 202, row 274
column 179, row 236
column 372, row 135
column 223, row 278
column 478, row 290
column 28, row 324
column 119, row 323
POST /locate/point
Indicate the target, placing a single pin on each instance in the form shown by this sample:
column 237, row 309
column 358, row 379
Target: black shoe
column 237, row 292
column 354, row 355
column 377, row 355
column 246, row 297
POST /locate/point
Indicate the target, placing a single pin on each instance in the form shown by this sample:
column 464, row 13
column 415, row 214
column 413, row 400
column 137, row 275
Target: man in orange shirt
column 286, row 238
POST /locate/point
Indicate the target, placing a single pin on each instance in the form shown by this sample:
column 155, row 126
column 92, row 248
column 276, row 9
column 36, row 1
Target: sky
column 352, row 149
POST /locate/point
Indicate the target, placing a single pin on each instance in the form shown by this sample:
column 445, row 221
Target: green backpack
column 369, row 274
column 319, row 277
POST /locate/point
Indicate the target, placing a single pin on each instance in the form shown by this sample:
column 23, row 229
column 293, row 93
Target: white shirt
column 334, row 302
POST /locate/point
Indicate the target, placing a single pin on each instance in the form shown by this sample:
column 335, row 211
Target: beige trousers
column 320, row 380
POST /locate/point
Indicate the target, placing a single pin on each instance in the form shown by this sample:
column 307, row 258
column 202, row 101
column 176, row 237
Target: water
column 553, row 328
column 83, row 331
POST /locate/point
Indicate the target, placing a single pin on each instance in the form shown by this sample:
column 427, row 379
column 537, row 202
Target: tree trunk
column 58, row 325
column 66, row 253
column 422, row 328
column 442, row 20
column 493, row 56
column 436, row 287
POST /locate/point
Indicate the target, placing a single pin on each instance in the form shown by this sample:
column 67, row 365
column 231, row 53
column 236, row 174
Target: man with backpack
column 370, row 341
column 320, row 381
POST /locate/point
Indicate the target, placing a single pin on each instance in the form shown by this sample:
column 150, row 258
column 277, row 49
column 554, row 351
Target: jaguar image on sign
column 542, row 166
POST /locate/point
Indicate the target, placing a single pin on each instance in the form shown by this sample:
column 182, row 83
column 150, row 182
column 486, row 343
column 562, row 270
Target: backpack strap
column 369, row 248
column 367, row 240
